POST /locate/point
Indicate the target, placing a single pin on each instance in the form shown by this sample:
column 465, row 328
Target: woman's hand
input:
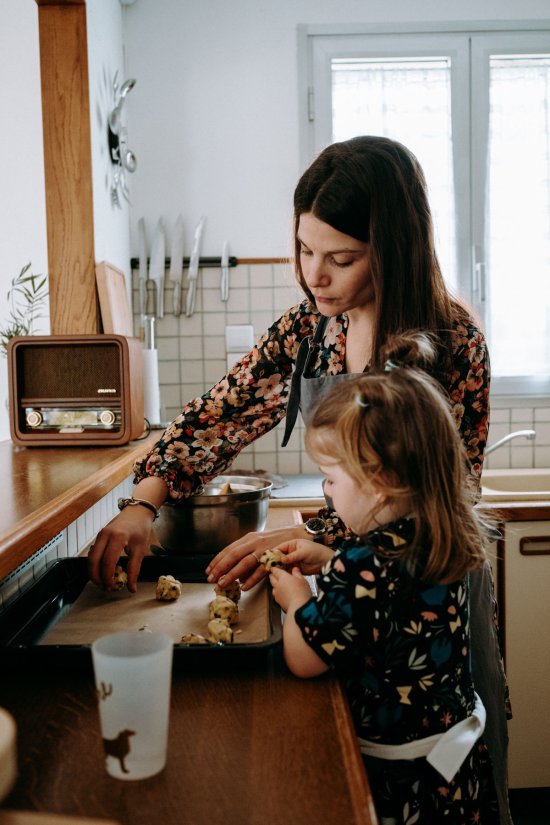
column 309, row 556
column 130, row 531
column 240, row 560
column 290, row 589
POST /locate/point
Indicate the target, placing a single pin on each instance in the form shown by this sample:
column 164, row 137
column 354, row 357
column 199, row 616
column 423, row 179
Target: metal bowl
column 209, row 522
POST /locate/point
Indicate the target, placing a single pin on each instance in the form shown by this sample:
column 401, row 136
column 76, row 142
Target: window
column 474, row 106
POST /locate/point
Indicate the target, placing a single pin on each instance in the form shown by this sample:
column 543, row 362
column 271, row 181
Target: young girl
column 391, row 614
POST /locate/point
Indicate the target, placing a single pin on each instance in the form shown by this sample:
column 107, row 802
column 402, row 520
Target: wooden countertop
column 248, row 744
column 47, row 488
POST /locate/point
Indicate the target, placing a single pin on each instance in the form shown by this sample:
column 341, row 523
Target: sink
column 516, row 485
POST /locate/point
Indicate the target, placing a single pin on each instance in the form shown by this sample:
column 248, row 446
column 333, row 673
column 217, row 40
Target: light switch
column 239, row 338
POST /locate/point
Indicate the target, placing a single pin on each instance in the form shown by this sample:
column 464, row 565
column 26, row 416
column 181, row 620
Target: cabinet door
column 527, row 650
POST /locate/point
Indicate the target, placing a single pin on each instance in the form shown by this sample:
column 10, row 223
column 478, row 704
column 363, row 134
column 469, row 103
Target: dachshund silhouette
column 119, row 747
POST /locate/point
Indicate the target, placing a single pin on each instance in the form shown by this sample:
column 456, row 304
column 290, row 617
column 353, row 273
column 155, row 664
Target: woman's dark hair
column 373, row 189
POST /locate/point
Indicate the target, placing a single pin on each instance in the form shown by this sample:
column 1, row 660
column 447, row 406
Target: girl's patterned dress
column 402, row 650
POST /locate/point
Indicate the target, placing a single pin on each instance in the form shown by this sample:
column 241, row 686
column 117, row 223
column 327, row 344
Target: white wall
column 215, row 112
column 22, row 199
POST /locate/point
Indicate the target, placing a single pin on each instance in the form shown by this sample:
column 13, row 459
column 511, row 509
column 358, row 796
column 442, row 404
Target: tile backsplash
column 192, row 358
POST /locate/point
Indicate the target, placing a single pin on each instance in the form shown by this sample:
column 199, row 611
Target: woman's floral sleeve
column 469, row 394
column 250, row 400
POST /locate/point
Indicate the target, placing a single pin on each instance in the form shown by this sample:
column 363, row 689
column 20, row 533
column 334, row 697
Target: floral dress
column 402, row 651
column 251, row 399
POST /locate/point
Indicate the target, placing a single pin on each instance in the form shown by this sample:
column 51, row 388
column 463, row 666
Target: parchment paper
column 98, row 612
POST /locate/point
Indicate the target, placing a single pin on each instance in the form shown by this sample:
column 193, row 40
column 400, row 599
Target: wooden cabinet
column 525, row 594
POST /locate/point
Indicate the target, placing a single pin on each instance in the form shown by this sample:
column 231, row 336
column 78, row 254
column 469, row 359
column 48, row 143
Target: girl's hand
column 240, row 560
column 290, row 590
column 308, row 555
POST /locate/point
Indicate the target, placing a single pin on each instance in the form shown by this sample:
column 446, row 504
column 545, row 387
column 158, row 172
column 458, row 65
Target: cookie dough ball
column 168, row 589
column 194, row 639
column 120, row 579
column 224, row 608
column 232, row 592
column 272, row 558
column 220, row 631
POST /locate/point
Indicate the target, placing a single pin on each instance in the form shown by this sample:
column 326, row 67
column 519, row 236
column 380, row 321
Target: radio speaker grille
column 69, row 371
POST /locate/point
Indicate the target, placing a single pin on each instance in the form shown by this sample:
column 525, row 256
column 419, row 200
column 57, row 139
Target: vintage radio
column 75, row 389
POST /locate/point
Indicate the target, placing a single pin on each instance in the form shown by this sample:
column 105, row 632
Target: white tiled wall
column 192, row 358
column 520, row 452
column 65, row 545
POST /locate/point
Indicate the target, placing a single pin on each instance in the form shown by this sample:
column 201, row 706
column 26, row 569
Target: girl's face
column 335, row 267
column 352, row 503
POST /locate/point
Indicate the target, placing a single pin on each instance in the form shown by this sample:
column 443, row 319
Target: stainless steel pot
column 209, row 522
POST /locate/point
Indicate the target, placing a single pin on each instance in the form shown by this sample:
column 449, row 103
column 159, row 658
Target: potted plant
column 26, row 298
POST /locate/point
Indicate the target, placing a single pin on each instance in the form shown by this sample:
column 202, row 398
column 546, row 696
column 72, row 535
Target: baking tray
column 25, row 622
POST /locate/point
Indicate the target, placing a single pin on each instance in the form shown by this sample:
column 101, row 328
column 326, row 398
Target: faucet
column 530, row 434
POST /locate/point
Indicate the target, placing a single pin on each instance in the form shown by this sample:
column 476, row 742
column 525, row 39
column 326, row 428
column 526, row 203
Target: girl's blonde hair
column 395, row 430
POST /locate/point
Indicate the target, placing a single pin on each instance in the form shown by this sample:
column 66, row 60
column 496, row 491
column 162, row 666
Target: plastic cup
column 133, row 673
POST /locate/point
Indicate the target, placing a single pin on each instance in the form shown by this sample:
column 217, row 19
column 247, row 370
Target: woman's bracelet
column 131, row 502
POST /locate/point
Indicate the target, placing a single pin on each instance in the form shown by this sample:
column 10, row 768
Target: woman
column 366, row 260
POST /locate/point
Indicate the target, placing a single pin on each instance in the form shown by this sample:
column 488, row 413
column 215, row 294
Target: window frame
column 469, row 46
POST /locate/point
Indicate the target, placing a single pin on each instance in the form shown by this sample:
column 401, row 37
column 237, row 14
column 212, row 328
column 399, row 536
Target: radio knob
column 34, row 418
column 107, row 417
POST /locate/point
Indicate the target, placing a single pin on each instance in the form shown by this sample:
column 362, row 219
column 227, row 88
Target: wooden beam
column 68, row 166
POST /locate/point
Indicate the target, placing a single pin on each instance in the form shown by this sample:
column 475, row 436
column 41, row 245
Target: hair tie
column 390, row 365
column 360, row 402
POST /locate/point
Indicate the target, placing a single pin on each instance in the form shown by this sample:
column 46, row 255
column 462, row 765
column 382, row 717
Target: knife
column 224, row 284
column 176, row 264
column 142, row 273
column 194, row 268
column 156, row 267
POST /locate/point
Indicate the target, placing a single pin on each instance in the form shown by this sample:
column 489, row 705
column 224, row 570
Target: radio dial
column 34, row 418
column 107, row 417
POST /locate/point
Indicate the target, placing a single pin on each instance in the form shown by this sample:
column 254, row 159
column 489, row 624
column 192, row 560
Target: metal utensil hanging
column 224, row 282
column 142, row 273
column 157, row 266
column 194, row 269
column 176, row 265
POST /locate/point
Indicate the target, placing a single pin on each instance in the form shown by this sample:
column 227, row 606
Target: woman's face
column 335, row 267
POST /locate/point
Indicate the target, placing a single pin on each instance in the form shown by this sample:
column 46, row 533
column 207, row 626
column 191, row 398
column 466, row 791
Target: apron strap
column 306, row 350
